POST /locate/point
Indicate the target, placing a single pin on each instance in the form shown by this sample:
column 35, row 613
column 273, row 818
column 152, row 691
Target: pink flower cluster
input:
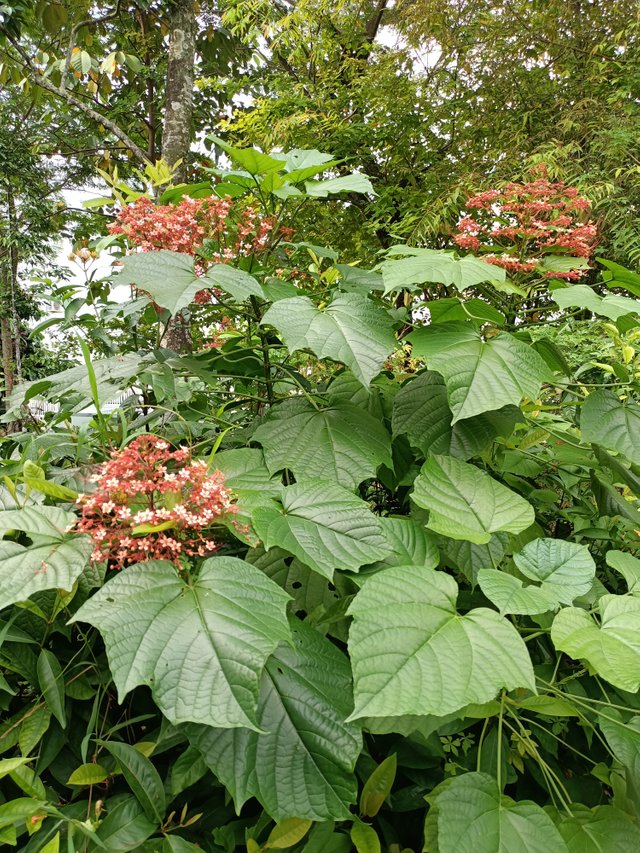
column 528, row 221
column 153, row 503
column 193, row 224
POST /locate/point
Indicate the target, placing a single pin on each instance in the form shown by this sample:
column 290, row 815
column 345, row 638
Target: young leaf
column 8, row 765
column 343, row 442
column 466, row 503
column 287, row 833
column 469, row 814
column 365, row 838
column 303, row 763
column 142, row 777
column 412, row 653
column 378, row 787
column 88, row 774
column 481, row 376
column 606, row 420
column 324, row 525
column 352, row 330
column 200, row 646
column 51, row 683
column 611, row 649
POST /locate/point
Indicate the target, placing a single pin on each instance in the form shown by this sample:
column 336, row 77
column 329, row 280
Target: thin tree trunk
column 176, row 132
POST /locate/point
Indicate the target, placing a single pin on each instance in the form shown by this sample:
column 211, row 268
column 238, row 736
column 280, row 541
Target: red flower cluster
column 190, row 225
column 153, row 503
column 528, row 221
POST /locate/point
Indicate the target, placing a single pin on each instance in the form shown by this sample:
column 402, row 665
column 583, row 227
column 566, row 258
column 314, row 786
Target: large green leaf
column 611, row 649
column 55, row 559
column 624, row 740
column 412, row 653
column 603, row 829
column 351, row 330
column 606, row 420
column 168, row 277
column 171, row 281
column 303, row 764
column 421, row 412
column 510, row 595
column 629, row 568
column 469, row 558
column 466, row 503
column 310, row 592
column 200, row 645
column 239, row 284
column 422, row 266
column 481, row 376
column 582, row 296
column 564, row 569
column 342, row 442
column 411, row 544
column 469, row 814
column 254, row 161
column 325, row 525
column 353, row 183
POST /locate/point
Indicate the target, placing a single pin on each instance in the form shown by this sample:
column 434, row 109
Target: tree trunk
column 176, row 132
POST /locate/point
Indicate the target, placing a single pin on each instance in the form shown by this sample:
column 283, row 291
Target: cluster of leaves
column 421, row 633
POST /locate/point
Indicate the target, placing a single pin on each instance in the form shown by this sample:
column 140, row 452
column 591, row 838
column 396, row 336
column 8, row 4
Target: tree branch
column 72, row 40
column 40, row 80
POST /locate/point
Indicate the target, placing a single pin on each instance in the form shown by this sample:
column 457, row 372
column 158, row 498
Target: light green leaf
column 565, row 570
column 469, row 814
column 142, row 777
column 378, row 787
column 481, row 376
column 342, row 443
column 351, row 330
column 624, row 740
column 88, row 774
column 287, row 833
column 54, row 564
column 628, row 566
column 606, row 420
column 422, row 266
column 582, row 296
column 168, row 277
column 611, row 649
column 353, row 183
column 239, row 284
column 303, row 763
column 603, row 829
column 325, row 525
column 201, row 646
column 365, row 838
column 411, row 544
column 421, row 412
column 412, row 653
column 51, row 683
column 33, row 728
column 254, row 161
column 510, row 595
column 466, row 503
column 8, row 765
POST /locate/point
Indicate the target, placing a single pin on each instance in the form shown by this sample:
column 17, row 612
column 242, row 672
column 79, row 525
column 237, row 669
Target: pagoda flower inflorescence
column 153, row 503
column 515, row 227
column 193, row 225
